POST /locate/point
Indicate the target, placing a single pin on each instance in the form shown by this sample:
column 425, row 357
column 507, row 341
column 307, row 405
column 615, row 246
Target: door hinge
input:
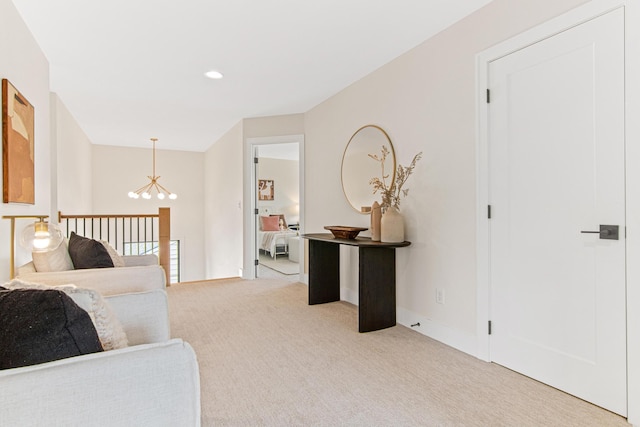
column 489, row 327
column 255, row 160
column 488, row 96
column 255, row 211
column 489, row 211
column 256, row 262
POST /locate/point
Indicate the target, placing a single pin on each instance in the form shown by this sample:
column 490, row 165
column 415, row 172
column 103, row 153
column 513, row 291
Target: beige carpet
column 268, row 359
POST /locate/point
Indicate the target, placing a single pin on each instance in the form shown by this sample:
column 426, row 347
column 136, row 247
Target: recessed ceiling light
column 213, row 74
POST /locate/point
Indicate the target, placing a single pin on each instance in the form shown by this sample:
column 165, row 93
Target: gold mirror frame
column 358, row 168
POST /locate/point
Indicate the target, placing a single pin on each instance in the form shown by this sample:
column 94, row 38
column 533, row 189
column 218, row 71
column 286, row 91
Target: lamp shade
column 41, row 236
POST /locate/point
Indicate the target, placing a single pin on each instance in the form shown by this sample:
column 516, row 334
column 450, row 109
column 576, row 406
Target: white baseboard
column 349, row 295
column 466, row 343
column 461, row 341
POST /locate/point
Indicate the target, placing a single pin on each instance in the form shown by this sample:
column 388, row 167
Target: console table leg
column 324, row 272
column 377, row 289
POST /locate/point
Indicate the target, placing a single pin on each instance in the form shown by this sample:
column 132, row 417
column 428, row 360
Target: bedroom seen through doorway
column 277, row 209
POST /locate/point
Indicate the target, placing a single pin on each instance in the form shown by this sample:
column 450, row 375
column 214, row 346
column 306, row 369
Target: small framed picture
column 265, row 189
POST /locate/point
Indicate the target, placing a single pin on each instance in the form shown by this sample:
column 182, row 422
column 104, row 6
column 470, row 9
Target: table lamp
column 39, row 236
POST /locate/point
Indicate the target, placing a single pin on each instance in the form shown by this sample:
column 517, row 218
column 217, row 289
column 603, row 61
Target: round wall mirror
column 358, row 167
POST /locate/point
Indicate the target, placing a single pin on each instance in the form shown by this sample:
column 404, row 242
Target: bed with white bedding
column 273, row 235
column 275, row 242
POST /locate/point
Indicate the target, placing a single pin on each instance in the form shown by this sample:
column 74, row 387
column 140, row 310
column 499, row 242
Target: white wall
column 224, row 206
column 425, row 100
column 227, row 203
column 118, row 170
column 284, row 173
column 25, row 66
column 258, row 127
column 73, row 176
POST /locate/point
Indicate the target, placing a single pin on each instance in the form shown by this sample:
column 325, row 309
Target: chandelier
column 146, row 190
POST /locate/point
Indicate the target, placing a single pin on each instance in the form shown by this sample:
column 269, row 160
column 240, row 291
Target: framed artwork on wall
column 265, row 189
column 18, row 159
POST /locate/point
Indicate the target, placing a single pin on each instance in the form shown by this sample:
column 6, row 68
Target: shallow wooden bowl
column 343, row 231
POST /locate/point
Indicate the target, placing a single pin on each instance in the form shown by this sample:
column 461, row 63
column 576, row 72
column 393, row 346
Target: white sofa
column 153, row 382
column 141, row 273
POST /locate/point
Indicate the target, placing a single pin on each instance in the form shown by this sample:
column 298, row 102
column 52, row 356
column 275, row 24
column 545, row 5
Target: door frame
column 545, row 30
column 250, row 197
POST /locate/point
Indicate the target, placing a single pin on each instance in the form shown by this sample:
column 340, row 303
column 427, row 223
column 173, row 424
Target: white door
column 556, row 153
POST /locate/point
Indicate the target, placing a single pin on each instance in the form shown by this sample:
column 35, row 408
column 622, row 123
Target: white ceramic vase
column 392, row 226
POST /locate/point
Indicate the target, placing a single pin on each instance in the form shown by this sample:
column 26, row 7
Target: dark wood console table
column 377, row 277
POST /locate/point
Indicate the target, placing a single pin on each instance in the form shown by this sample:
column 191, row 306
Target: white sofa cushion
column 107, row 281
column 144, row 315
column 55, row 260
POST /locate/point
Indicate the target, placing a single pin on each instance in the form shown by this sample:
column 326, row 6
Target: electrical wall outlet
column 440, row 296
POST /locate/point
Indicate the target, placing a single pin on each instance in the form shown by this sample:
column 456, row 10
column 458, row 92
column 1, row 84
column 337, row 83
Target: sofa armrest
column 107, row 281
column 154, row 385
column 27, row 268
column 144, row 316
column 129, row 261
column 138, row 260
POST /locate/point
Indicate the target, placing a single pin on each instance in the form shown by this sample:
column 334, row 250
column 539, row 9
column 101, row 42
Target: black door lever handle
column 608, row 232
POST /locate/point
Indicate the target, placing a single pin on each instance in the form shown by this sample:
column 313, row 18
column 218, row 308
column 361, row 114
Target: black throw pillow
column 88, row 253
column 38, row 326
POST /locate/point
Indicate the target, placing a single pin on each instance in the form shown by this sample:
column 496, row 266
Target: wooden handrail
column 62, row 216
column 164, row 232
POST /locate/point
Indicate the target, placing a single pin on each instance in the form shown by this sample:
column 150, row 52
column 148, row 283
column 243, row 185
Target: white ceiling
column 129, row 70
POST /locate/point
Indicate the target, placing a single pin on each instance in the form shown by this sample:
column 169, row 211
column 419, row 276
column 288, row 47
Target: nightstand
column 294, row 248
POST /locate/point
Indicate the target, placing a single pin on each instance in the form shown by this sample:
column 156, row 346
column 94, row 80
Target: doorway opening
column 274, row 220
column 277, row 172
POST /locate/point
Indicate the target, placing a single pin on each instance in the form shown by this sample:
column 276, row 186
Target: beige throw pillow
column 110, row 331
column 116, row 258
column 55, row 260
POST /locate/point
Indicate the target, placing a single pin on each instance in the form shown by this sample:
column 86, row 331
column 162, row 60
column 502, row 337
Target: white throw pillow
column 55, row 260
column 109, row 329
column 116, row 258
